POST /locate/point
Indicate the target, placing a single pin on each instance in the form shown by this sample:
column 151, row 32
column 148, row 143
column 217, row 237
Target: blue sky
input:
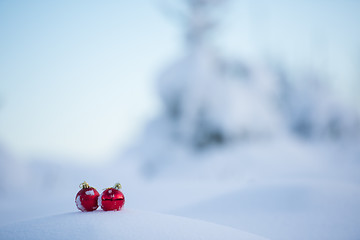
column 77, row 77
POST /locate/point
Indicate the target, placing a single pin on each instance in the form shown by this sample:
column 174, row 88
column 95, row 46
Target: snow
column 125, row 224
column 78, row 203
column 91, row 193
column 282, row 189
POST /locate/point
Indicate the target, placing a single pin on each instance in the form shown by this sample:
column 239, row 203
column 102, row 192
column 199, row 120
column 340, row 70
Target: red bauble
column 87, row 198
column 112, row 199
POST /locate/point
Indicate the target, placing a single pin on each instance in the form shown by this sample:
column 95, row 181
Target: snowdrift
column 126, row 224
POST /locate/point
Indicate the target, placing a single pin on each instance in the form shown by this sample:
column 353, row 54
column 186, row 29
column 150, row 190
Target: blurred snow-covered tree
column 210, row 100
column 313, row 111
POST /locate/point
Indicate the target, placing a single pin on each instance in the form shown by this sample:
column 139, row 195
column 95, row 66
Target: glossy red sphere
column 111, row 199
column 87, row 199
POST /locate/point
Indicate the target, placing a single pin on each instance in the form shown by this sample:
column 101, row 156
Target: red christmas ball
column 112, row 199
column 87, row 198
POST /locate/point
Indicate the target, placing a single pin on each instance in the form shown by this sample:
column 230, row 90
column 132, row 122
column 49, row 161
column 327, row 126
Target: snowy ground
column 281, row 190
column 126, row 224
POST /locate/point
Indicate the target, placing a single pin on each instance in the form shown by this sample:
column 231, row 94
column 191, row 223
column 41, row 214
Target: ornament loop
column 117, row 186
column 84, row 185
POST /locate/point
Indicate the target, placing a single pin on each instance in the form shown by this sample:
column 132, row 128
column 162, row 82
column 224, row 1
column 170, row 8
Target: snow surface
column 282, row 189
column 125, row 224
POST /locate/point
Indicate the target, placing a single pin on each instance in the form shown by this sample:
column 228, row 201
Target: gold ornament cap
column 84, row 185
